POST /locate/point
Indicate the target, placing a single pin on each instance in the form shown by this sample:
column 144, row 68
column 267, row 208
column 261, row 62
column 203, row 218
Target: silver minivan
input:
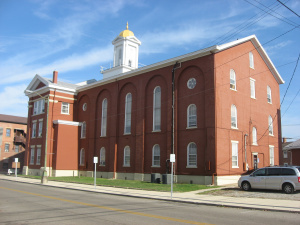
column 273, row 178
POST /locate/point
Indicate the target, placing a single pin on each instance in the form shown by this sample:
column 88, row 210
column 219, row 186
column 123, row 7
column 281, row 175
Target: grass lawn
column 134, row 184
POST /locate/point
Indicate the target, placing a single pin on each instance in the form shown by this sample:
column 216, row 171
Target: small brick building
column 226, row 116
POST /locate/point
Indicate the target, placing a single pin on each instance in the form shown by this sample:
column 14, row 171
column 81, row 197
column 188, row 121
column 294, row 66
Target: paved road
column 22, row 203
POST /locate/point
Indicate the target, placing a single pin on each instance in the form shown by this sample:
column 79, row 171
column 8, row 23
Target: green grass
column 134, row 184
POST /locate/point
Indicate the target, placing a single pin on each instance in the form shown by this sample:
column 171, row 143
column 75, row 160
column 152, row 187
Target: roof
column 190, row 56
column 126, row 33
column 13, row 119
column 293, row 145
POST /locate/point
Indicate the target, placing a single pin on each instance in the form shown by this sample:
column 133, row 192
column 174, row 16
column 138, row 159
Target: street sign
column 95, row 159
column 172, row 158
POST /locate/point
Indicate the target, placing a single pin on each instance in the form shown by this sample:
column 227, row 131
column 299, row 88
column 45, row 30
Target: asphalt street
column 23, row 203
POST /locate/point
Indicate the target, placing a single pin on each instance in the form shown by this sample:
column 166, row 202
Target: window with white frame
column 65, row 107
column 38, row 155
column 102, row 156
column 156, row 108
column 156, row 156
column 32, row 155
column 270, row 121
column 254, row 136
column 126, row 156
column 39, row 107
column 252, row 88
column 17, row 149
column 104, row 118
column 285, row 154
column 192, row 116
column 269, row 95
column 83, row 129
column 192, row 155
column 40, row 128
column 128, row 105
column 232, row 80
column 8, row 132
column 82, row 157
column 233, row 117
column 251, row 60
column 33, row 129
column 6, row 147
column 271, row 148
column 234, row 154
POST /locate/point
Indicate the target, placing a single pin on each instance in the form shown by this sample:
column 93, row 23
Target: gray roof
column 62, row 84
column 293, row 145
column 13, row 119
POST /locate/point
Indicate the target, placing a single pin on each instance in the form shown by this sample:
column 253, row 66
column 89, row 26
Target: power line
column 291, row 103
column 287, row 8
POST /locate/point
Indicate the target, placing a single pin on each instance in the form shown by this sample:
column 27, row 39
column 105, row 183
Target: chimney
column 55, row 74
column 284, row 140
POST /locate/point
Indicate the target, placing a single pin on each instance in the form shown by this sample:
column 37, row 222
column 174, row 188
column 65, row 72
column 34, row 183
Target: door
column 258, row 179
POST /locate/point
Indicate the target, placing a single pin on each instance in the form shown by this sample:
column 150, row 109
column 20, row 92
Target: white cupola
column 126, row 52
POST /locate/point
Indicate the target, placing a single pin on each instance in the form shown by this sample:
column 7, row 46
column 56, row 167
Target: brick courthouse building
column 226, row 116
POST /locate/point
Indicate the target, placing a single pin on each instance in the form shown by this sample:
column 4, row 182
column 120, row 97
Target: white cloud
column 13, row 101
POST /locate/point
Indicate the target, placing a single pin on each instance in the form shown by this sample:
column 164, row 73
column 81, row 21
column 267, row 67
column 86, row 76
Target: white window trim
column 251, row 60
column 155, row 108
column 232, row 72
column 65, row 105
column 38, row 155
column 188, row 117
column 32, row 152
column 237, row 155
column 124, row 159
column 40, row 131
column 34, row 129
column 236, row 126
column 83, row 130
column 153, row 149
column 104, row 118
column 254, row 141
column 270, row 126
column 188, row 156
column 285, row 154
column 128, row 111
column 101, row 157
column 269, row 90
column 82, row 157
column 272, row 159
column 252, row 85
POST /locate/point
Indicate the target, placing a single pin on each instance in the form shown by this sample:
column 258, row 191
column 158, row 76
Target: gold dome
column 126, row 33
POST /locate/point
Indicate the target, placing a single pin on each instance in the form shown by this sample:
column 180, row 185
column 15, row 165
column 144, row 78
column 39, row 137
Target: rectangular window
column 6, row 147
column 38, row 156
column 234, row 148
column 83, row 130
column 128, row 105
column 252, row 87
column 269, row 95
column 40, row 128
column 271, row 148
column 33, row 130
column 17, row 148
column 39, row 107
column 8, row 132
column 65, row 108
column 285, row 155
column 32, row 156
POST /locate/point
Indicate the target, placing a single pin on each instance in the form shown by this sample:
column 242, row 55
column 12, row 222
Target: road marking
column 109, row 208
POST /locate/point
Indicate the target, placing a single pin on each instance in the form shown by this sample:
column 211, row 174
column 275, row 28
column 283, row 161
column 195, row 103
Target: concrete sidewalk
column 187, row 197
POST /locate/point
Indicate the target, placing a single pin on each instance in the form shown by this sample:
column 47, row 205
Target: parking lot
column 268, row 194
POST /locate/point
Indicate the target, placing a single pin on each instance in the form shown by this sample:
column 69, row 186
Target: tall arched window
column 156, row 156
column 82, row 157
column 269, row 94
column 126, row 156
column 251, row 60
column 83, row 130
column 102, row 156
column 104, row 118
column 270, row 125
column 232, row 80
column 233, row 116
column 192, row 116
column 128, row 105
column 192, row 155
column 254, row 136
column 156, row 108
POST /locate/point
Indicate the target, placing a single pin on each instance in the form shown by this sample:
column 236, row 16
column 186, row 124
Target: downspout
column 246, row 164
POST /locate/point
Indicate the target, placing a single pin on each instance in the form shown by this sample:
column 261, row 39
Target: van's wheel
column 246, row 186
column 288, row 188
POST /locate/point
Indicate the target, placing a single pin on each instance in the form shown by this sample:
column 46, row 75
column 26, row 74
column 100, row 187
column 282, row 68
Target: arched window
column 156, row 108
column 270, row 125
column 104, row 118
column 251, row 60
column 232, row 80
column 192, row 155
column 156, row 156
column 126, row 156
column 128, row 105
column 82, row 157
column 254, row 136
column 83, row 130
column 102, row 156
column 192, row 116
column 269, row 94
column 233, row 116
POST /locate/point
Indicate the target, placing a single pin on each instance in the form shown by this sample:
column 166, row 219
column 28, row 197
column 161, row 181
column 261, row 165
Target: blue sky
column 74, row 38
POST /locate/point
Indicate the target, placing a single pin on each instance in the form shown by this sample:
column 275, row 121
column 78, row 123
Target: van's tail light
column 299, row 179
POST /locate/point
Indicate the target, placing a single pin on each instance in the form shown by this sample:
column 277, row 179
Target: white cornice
column 64, row 122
